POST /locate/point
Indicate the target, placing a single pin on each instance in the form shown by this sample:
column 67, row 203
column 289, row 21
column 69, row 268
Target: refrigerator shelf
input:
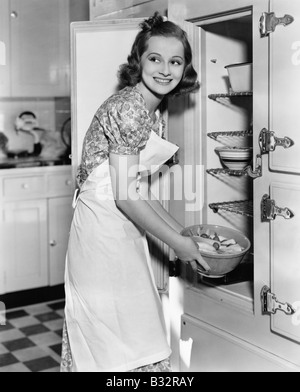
column 215, row 97
column 228, row 172
column 244, row 207
column 220, row 134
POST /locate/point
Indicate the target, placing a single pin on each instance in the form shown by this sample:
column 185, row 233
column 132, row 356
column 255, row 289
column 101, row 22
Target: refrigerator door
column 284, row 166
column 98, row 50
column 284, row 83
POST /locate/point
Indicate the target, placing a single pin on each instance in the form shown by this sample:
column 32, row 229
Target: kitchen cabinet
column 228, row 353
column 86, row 100
column 35, row 219
column 222, row 319
column 60, row 217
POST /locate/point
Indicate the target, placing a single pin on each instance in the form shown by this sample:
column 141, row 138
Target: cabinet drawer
column 23, row 187
column 60, row 184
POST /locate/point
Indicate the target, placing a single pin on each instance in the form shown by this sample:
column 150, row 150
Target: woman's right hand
column 188, row 251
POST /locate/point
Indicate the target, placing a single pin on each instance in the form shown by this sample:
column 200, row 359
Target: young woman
column 114, row 318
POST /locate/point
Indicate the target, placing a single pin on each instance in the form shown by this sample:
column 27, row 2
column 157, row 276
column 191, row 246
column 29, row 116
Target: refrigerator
column 248, row 320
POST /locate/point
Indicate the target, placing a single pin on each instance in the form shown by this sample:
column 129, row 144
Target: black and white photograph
column 149, row 188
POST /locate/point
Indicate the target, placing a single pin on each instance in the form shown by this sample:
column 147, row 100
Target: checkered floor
column 31, row 339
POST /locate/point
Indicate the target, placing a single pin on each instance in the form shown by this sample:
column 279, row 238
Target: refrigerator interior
column 227, row 121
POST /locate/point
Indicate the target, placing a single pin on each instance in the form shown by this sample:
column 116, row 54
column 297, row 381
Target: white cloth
column 156, row 153
column 113, row 310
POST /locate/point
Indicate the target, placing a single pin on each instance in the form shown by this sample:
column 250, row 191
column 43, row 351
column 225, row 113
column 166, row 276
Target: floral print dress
column 122, row 125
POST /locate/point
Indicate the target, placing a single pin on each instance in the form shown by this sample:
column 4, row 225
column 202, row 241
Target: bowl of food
column 240, row 77
column 235, row 158
column 221, row 247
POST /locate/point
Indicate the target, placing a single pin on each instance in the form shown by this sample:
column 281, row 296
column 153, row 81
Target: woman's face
column 163, row 65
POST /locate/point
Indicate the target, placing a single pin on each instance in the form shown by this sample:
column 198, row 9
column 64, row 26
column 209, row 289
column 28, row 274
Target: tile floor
column 31, row 339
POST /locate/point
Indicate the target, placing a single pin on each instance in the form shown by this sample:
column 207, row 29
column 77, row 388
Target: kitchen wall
column 122, row 9
column 51, row 114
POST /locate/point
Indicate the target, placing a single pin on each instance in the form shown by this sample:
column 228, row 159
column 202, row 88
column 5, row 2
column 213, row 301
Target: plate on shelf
column 210, row 276
column 235, row 158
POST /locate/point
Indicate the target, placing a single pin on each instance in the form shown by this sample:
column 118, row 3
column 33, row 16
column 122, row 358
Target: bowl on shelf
column 235, row 158
column 220, row 263
column 240, row 77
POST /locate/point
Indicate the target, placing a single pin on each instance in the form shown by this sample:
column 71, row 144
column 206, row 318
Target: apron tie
column 75, row 198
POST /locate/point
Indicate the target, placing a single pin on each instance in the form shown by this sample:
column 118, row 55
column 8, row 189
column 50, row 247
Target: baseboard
column 32, row 297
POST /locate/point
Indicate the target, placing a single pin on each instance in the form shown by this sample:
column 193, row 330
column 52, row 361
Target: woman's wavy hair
column 130, row 73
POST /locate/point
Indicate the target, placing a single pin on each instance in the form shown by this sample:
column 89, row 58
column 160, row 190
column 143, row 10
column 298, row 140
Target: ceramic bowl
column 235, row 158
column 240, row 77
column 220, row 264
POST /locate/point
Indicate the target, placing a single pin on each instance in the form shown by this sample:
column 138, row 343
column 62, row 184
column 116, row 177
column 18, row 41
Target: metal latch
column 268, row 23
column 270, row 305
column 268, row 141
column 258, row 168
column 269, row 210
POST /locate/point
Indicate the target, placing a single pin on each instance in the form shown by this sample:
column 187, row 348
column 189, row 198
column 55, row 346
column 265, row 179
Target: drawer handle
column 25, row 186
column 68, row 182
column 53, row 243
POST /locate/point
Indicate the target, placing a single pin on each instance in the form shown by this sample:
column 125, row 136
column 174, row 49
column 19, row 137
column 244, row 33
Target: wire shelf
column 227, row 172
column 244, row 207
column 220, row 134
column 215, row 97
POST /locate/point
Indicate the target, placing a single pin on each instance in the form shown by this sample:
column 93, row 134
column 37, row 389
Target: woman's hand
column 188, row 251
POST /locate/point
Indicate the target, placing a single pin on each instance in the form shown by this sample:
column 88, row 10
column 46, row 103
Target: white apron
column 113, row 310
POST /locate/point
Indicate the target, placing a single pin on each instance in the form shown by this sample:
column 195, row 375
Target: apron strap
column 75, row 198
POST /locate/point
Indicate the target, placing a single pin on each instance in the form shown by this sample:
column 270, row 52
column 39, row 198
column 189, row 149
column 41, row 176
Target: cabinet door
column 4, row 40
column 210, row 349
column 285, row 92
column 275, row 244
column 25, row 245
column 60, row 217
column 39, row 47
column 92, row 68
